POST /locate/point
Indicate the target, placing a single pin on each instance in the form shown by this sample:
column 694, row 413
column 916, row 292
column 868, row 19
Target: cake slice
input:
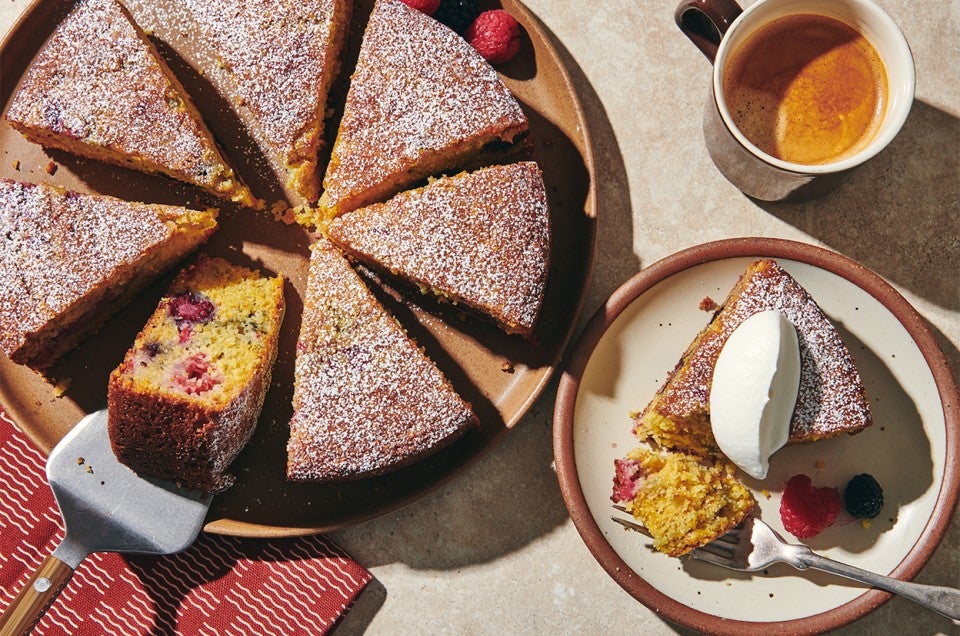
column 480, row 239
column 366, row 400
column 684, row 501
column 186, row 398
column 99, row 89
column 421, row 101
column 68, row 260
column 831, row 400
column 283, row 57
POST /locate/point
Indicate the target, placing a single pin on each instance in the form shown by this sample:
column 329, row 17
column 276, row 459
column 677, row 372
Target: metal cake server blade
column 106, row 507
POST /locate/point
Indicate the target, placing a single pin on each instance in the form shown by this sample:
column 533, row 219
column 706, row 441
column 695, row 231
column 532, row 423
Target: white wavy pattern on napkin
column 220, row 586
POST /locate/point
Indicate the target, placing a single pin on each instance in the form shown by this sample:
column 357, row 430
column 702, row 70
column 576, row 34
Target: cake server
column 106, row 507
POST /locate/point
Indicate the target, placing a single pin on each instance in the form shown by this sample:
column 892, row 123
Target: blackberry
column 457, row 14
column 863, row 497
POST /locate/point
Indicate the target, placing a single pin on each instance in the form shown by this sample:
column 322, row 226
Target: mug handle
column 705, row 22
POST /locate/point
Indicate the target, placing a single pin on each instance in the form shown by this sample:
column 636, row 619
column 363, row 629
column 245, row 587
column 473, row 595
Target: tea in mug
column 806, row 89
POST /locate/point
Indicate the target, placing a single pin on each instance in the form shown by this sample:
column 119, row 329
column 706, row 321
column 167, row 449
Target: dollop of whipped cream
column 754, row 391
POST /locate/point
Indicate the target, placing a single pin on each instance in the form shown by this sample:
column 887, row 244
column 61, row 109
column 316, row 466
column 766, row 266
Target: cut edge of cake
column 684, row 501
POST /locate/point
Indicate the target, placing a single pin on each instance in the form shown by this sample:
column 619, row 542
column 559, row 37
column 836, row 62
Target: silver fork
column 753, row 545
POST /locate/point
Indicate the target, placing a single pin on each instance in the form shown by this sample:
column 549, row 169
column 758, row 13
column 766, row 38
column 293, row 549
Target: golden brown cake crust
column 67, row 259
column 283, row 57
column 99, row 89
column 366, row 400
column 420, row 96
column 481, row 239
column 832, row 399
column 178, row 440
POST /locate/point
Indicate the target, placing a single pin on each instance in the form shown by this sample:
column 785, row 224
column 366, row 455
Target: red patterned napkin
column 220, row 585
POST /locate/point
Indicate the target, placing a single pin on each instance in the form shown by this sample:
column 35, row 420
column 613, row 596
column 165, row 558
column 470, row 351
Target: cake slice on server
column 421, row 101
column 69, row 260
column 186, row 398
column 283, row 57
column 479, row 239
column 367, row 400
column 99, row 89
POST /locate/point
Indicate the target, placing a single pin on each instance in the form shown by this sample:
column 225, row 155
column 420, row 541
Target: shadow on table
column 359, row 615
column 615, row 260
column 899, row 213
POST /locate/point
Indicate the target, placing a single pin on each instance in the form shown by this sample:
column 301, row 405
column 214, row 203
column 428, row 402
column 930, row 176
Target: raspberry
column 496, row 35
column 805, row 510
column 190, row 307
column 195, row 375
column 626, row 480
column 457, row 14
column 863, row 497
column 424, row 6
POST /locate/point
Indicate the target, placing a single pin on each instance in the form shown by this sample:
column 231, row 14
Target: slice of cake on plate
column 421, row 101
column 68, row 261
column 283, row 57
column 680, row 485
column 367, row 400
column 99, row 89
column 186, row 398
column 831, row 400
column 480, row 239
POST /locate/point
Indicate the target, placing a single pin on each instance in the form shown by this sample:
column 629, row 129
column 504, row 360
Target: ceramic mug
column 720, row 27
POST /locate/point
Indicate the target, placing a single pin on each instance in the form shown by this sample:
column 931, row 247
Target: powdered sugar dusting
column 98, row 83
column 366, row 398
column 482, row 239
column 58, row 248
column 832, row 398
column 418, row 89
column 278, row 54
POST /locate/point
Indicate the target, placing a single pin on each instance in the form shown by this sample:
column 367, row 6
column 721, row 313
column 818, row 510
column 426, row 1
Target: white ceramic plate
column 626, row 352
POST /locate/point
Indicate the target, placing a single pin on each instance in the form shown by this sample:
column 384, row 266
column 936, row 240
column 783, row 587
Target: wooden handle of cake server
column 35, row 597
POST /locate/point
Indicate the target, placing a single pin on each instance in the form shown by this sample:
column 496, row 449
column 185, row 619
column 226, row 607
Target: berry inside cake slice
column 69, row 260
column 421, row 101
column 99, row 89
column 367, row 400
column 480, row 239
column 186, row 398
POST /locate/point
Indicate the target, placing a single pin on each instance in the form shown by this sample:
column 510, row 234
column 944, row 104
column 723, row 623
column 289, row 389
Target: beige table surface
column 494, row 551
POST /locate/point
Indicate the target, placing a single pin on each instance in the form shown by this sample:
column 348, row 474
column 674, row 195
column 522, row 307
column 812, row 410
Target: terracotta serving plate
column 912, row 449
column 500, row 375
